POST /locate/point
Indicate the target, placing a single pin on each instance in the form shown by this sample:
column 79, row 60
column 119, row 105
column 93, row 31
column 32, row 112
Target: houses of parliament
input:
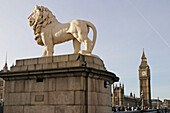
column 118, row 97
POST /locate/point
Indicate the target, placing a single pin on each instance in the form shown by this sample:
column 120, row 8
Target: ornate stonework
column 144, row 81
column 48, row 31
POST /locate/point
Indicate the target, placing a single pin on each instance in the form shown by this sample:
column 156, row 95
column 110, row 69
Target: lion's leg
column 48, row 43
column 50, row 50
column 88, row 46
column 76, row 45
column 45, row 51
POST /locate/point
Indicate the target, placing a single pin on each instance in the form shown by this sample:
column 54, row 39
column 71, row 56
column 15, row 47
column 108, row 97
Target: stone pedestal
column 59, row 84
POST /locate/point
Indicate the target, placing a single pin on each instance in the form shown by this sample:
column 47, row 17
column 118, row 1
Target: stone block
column 47, row 66
column 61, row 97
column 29, row 85
column 16, row 68
column 54, row 65
column 74, row 57
column 62, row 83
column 89, row 59
column 98, row 61
column 92, row 109
column 39, row 109
column 63, row 58
column 9, row 86
column 100, row 86
column 45, row 60
column 19, row 86
column 103, row 109
column 17, row 99
column 24, row 68
column 39, row 98
column 80, row 97
column 39, row 67
column 62, row 64
column 92, row 98
column 31, row 67
column 70, row 83
column 34, row 86
column 13, row 109
column 69, row 109
column 91, row 65
column 38, row 86
column 91, row 84
column 30, row 61
column 73, row 64
column 51, row 84
column 102, row 68
column 104, row 99
column 19, row 62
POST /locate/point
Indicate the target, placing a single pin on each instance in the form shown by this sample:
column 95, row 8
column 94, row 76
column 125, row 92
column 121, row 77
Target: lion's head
column 41, row 16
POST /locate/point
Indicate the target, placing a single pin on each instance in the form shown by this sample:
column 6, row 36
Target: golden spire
column 143, row 56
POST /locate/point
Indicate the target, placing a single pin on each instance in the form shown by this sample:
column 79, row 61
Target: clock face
column 143, row 73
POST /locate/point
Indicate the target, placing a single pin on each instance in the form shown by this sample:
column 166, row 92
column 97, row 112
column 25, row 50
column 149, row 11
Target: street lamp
column 142, row 96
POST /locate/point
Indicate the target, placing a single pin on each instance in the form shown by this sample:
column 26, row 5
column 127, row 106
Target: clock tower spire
column 144, row 81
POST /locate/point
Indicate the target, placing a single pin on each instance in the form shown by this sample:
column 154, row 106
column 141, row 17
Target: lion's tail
column 94, row 34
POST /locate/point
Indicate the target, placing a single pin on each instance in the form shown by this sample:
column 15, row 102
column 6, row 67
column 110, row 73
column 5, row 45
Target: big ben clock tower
column 144, row 81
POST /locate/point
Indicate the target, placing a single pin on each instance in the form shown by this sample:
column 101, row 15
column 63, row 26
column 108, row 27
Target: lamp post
column 158, row 105
column 142, row 96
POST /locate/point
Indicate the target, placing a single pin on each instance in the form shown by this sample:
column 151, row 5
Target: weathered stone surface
column 45, row 60
column 33, row 85
column 62, row 64
column 19, row 62
column 39, row 109
column 98, row 61
column 61, row 58
column 39, row 98
column 100, row 86
column 61, row 97
column 80, row 97
column 9, row 86
column 74, row 57
column 92, row 98
column 89, row 59
column 103, row 109
column 19, row 86
column 47, row 66
column 73, row 64
column 17, row 99
column 24, row 68
column 91, row 84
column 39, row 67
column 70, row 83
column 17, row 68
column 13, row 109
column 31, row 67
column 103, row 99
column 58, row 84
column 69, row 109
column 30, row 61
column 92, row 109
column 51, row 84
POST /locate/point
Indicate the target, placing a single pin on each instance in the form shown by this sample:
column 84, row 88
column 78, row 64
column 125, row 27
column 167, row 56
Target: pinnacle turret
column 5, row 68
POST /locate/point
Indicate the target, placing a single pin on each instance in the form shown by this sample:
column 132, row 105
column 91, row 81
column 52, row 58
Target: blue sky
column 124, row 28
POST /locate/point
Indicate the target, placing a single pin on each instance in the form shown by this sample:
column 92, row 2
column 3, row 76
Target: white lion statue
column 48, row 32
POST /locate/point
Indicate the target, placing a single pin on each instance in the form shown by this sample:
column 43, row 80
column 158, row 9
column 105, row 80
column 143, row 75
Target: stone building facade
column 2, row 86
column 166, row 103
column 144, row 81
column 119, row 99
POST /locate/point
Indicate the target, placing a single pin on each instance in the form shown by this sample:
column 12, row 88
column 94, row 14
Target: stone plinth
column 58, row 84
